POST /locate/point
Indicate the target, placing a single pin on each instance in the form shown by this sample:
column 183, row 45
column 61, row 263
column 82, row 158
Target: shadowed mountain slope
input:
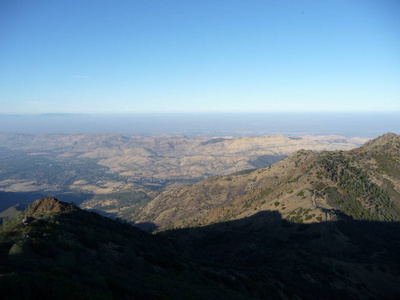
column 55, row 250
column 335, row 259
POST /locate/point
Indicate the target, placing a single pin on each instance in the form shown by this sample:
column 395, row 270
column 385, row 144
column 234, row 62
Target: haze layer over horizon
column 207, row 124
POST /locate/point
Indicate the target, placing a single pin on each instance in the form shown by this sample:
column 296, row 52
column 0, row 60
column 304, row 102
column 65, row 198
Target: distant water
column 208, row 124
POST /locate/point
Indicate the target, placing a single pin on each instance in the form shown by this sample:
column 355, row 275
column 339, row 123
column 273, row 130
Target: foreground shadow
column 358, row 257
column 146, row 226
column 258, row 238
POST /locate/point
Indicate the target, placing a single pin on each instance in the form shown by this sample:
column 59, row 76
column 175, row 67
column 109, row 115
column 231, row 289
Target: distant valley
column 111, row 167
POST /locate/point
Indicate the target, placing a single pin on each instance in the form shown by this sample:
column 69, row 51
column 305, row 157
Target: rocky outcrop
column 47, row 205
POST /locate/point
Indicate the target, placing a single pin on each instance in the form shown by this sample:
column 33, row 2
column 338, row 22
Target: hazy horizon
column 207, row 124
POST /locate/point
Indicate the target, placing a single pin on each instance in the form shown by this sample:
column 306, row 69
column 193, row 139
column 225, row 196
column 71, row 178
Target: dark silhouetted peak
column 48, row 205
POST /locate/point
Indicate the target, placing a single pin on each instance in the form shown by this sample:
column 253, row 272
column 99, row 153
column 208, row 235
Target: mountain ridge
column 306, row 186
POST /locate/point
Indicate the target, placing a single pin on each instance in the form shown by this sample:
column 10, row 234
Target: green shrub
column 319, row 186
column 15, row 249
column 301, row 194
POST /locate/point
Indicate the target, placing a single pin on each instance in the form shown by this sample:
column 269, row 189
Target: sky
column 199, row 56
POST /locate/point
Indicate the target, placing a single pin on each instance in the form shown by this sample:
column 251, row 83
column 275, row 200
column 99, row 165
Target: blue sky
column 199, row 56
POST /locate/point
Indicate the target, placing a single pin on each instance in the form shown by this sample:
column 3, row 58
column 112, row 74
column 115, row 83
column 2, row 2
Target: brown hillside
column 304, row 187
column 102, row 163
column 47, row 205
